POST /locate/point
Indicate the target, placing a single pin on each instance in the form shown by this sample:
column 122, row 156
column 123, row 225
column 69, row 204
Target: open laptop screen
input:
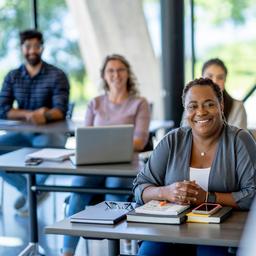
column 104, row 144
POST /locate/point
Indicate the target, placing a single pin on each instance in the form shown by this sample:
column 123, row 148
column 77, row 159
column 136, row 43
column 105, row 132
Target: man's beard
column 33, row 61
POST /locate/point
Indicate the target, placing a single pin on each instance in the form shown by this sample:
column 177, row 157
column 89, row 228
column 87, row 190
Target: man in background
column 36, row 92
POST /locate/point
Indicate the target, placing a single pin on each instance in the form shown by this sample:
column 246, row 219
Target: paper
column 51, row 154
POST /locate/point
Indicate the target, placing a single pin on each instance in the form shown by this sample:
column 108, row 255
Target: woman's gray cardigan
column 233, row 168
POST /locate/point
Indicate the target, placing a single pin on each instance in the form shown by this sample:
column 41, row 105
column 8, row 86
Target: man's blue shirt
column 49, row 88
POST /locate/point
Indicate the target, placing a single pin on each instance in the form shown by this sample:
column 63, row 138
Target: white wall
column 111, row 26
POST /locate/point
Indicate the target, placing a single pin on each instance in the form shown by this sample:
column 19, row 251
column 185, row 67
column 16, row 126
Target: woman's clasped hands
column 185, row 192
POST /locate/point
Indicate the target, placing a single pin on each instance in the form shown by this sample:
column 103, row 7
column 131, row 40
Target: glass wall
column 14, row 16
column 61, row 35
column 223, row 29
column 61, row 41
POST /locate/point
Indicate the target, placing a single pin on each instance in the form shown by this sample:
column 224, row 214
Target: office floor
column 14, row 229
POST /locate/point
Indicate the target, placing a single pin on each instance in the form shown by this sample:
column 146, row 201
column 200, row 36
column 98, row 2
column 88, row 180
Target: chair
column 150, row 144
column 2, row 187
column 70, row 111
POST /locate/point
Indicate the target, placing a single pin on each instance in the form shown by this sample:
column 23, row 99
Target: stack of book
column 216, row 217
column 159, row 212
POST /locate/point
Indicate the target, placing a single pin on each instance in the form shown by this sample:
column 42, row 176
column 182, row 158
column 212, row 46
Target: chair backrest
column 150, row 145
column 71, row 106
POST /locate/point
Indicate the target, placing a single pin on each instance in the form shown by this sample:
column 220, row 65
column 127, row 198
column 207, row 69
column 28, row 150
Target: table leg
column 32, row 248
column 32, row 209
column 113, row 247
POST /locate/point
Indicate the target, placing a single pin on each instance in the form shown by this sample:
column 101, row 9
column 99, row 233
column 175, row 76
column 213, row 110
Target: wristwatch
column 211, row 197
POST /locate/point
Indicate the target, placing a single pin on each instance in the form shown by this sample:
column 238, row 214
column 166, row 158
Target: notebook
column 217, row 217
column 161, row 212
column 103, row 144
column 133, row 216
column 106, row 212
column 51, row 154
column 161, row 208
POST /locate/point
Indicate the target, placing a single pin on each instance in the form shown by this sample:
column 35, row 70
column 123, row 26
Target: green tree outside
column 61, row 49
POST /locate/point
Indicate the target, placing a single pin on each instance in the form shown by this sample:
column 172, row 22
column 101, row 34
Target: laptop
column 103, row 144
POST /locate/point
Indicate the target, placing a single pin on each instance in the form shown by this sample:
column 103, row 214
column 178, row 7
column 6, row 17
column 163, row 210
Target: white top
column 201, row 176
column 237, row 116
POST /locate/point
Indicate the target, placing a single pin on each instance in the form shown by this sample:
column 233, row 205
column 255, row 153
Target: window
column 225, row 29
column 60, row 36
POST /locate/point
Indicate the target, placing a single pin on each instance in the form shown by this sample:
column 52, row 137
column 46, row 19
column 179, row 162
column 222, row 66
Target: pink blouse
column 134, row 110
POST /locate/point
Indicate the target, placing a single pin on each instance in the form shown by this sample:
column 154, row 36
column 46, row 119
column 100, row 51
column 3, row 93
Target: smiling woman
column 209, row 161
column 203, row 109
column 203, row 103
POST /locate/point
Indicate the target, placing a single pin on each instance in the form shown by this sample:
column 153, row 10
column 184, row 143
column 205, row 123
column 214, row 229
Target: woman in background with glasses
column 119, row 105
column 234, row 110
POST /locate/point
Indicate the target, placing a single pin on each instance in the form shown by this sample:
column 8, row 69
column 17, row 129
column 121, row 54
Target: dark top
column 49, row 88
column 233, row 168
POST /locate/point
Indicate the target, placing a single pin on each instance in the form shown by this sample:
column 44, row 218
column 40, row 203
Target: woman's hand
column 184, row 192
column 201, row 196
